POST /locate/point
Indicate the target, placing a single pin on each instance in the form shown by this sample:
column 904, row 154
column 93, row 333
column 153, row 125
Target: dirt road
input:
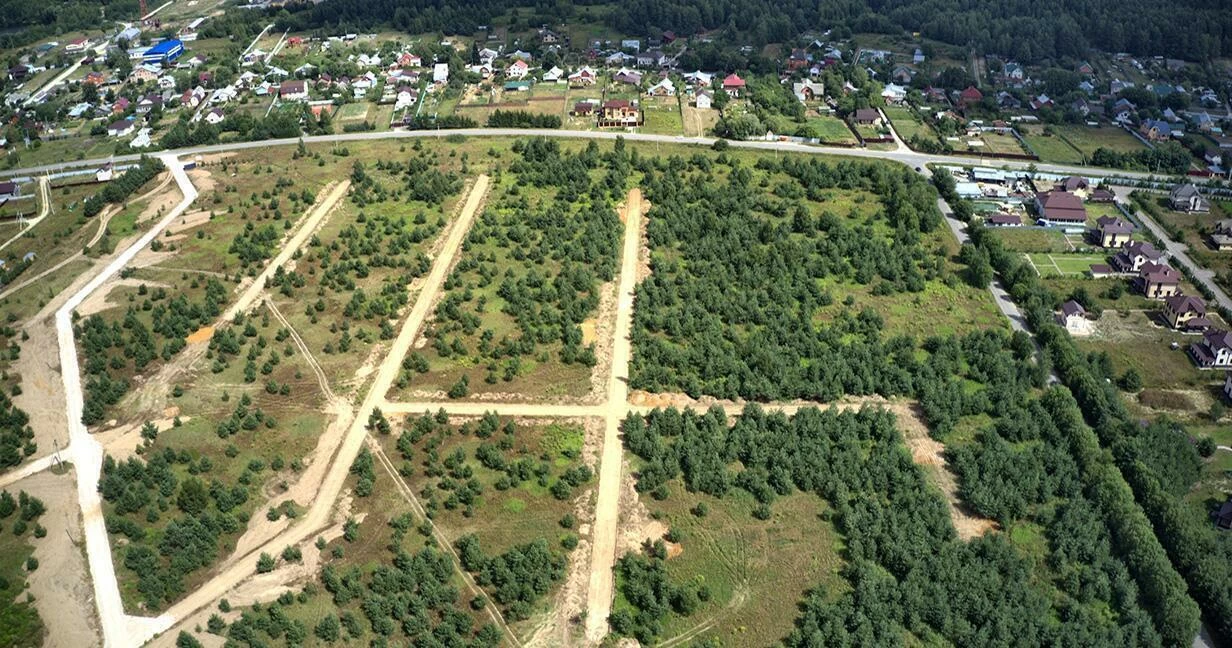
column 86, row 453
column 607, row 504
column 318, row 515
column 315, row 216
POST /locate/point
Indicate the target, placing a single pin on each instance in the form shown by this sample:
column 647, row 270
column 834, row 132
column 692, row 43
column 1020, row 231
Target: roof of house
column 1071, row 308
column 1185, row 304
column 1218, row 339
column 121, row 125
column 616, row 103
column 867, row 115
column 1004, row 219
column 1184, row 192
column 733, row 81
column 1157, row 273
column 292, row 87
column 971, row 94
column 1061, row 205
column 1074, row 183
column 1143, row 248
column 583, row 107
column 164, row 47
column 1114, row 225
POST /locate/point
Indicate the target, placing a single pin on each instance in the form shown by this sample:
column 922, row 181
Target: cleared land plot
column 1137, row 340
column 831, row 129
column 698, row 122
column 908, row 125
column 1053, row 148
column 1064, row 264
column 1025, row 239
column 352, row 112
column 662, row 115
column 756, row 570
column 1087, row 139
column 994, row 142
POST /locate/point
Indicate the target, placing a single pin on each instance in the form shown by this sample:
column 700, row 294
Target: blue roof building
column 164, row 52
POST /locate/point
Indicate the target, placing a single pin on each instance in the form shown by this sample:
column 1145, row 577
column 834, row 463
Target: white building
column 440, row 73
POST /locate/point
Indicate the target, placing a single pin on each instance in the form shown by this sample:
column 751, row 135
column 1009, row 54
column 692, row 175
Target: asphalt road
column 908, row 157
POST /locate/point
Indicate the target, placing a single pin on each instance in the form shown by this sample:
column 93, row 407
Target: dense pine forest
column 1024, row 29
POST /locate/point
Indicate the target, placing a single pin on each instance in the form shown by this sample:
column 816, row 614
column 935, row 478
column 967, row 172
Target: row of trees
column 522, row 119
column 124, row 186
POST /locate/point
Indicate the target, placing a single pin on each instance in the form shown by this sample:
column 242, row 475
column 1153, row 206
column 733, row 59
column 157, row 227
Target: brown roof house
column 1186, row 312
column 619, row 113
column 1076, row 185
column 1135, row 255
column 1213, row 351
column 970, row 97
column 1074, row 318
column 1159, row 281
column 1186, row 198
column 867, row 117
column 1060, row 209
column 1111, row 231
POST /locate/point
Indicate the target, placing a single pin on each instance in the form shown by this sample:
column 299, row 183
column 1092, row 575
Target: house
column 104, row 173
column 1058, row 208
column 619, row 113
column 664, row 88
column 440, row 73
column 651, row 58
column 902, row 74
column 142, row 140
column 293, row 91
column 166, row 82
column 631, row 44
column 1123, row 110
column 484, row 70
column 1014, row 71
column 519, row 54
column 582, row 78
column 144, row 74
column 970, row 97
column 917, row 57
column 1159, row 281
column 79, row 110
column 799, row 59
column 1101, row 195
column 867, row 117
column 893, row 93
column 1117, row 86
column 1155, row 130
column 9, row 190
column 1008, row 101
column 583, row 109
column 405, row 98
column 517, row 70
column 517, row 86
column 1221, row 235
column 1076, row 185
column 1085, row 69
column 121, row 128
column 1186, row 198
column 1111, row 231
column 1186, row 312
column 1003, row 220
column 1073, row 317
column 703, row 100
column 78, row 45
column 121, row 104
column 214, row 117
column 554, row 75
column 1204, row 122
column 95, row 78
column 1213, row 351
column 1041, row 102
column 698, row 79
column 149, row 103
column 487, row 55
column 733, row 85
column 193, row 98
column 806, row 91
column 409, row 60
column 196, row 61
column 627, row 76
column 1135, row 255
column 1223, row 516
column 164, row 52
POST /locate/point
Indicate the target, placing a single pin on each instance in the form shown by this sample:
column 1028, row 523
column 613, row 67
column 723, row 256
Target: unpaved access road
column 607, row 504
column 331, row 487
column 317, row 213
column 86, row 453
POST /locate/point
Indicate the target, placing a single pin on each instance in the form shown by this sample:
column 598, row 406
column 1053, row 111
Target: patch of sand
column 202, row 334
column 203, row 180
column 62, row 592
column 588, row 331
column 187, row 222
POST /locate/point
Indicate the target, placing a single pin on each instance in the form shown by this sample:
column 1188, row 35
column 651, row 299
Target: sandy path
column 314, row 220
column 607, row 504
column 331, row 487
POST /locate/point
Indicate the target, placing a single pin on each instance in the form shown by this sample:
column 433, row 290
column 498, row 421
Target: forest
column 738, row 266
column 20, row 623
column 124, row 186
column 1026, row 30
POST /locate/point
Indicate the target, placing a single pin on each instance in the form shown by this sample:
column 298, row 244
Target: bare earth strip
column 607, row 504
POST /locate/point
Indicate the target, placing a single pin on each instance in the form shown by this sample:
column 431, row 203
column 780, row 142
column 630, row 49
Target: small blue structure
column 164, row 52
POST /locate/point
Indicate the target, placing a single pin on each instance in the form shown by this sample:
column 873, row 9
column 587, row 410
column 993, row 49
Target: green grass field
column 352, row 111
column 1087, row 139
column 831, row 130
column 1051, row 148
column 757, row 571
column 1022, row 239
column 907, row 124
column 1063, row 264
column 662, row 115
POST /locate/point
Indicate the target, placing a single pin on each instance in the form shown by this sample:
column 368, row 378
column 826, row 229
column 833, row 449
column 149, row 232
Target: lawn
column 907, row 124
column 1047, row 264
column 1053, row 148
column 662, row 115
column 1087, row 139
column 352, row 111
column 830, row 129
column 1027, row 239
column 757, row 571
